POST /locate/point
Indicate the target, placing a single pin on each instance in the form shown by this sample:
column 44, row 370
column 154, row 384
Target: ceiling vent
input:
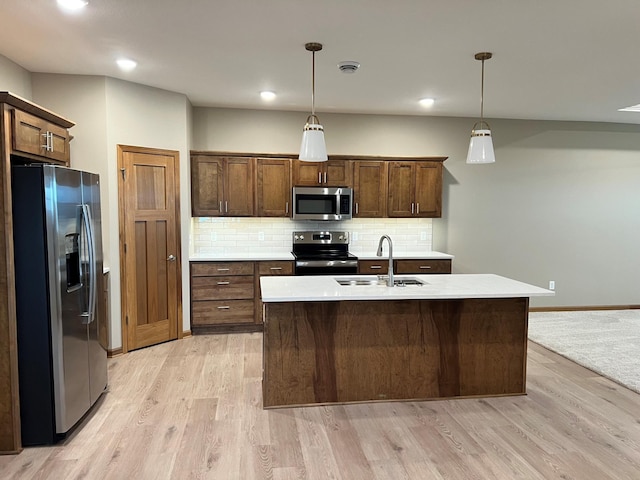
column 349, row 66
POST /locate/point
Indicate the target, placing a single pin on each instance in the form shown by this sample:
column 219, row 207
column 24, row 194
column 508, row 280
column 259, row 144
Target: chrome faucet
column 379, row 254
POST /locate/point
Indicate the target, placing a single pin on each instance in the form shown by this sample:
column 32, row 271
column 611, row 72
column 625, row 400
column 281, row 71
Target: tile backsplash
column 213, row 236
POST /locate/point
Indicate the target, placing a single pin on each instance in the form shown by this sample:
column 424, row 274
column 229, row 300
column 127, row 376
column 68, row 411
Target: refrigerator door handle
column 90, row 314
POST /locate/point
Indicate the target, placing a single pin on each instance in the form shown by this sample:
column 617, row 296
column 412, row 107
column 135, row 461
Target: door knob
column 171, row 258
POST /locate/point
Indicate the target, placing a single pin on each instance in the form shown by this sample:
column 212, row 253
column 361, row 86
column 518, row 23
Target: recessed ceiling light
column 267, row 95
column 126, row 64
column 72, row 5
column 632, row 108
column 427, row 102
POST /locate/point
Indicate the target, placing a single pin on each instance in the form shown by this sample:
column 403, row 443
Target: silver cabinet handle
column 417, row 209
column 46, row 141
column 275, row 268
column 223, row 283
column 375, row 267
column 171, row 258
column 225, row 307
column 226, row 207
column 325, row 177
column 412, row 208
column 223, row 269
column 286, row 208
column 220, row 209
column 425, row 267
column 319, row 177
column 356, row 208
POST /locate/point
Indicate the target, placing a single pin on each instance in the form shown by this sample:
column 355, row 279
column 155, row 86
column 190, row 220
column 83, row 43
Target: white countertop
column 266, row 256
column 404, row 255
column 325, row 288
column 242, row 257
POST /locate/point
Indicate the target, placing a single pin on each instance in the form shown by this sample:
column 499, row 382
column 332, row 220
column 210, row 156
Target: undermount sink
column 397, row 282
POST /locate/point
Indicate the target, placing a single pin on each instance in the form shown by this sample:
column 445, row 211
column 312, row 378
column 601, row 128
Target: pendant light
column 313, row 148
column 481, row 144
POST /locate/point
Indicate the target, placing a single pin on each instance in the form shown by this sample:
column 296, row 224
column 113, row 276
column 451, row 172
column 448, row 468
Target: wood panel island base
column 359, row 347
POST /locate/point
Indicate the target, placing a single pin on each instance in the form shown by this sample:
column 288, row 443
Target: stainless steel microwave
column 322, row 203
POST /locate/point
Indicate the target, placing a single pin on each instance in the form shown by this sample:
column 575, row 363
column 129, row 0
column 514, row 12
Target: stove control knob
column 295, row 237
column 340, row 237
column 301, row 237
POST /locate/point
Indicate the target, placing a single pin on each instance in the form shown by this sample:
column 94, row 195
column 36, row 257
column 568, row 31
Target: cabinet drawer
column 275, row 268
column 221, row 288
column 373, row 267
column 221, row 268
column 423, row 266
column 222, row 312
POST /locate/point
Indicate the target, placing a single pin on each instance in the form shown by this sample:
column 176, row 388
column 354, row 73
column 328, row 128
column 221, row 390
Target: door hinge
column 123, row 172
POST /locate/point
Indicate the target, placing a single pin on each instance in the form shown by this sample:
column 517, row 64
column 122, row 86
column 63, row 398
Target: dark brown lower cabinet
column 225, row 296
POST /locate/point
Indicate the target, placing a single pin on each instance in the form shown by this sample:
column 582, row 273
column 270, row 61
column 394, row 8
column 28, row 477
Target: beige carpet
column 607, row 341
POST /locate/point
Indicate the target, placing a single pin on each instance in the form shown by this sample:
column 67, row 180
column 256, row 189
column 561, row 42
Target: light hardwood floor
column 192, row 409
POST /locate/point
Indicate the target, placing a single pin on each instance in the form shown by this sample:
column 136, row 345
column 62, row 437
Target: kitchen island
column 452, row 336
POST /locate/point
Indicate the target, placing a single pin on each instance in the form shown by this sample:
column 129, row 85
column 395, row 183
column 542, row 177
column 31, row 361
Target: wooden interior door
column 150, row 246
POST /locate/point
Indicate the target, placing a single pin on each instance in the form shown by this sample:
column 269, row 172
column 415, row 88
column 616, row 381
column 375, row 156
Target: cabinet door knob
column 171, row 258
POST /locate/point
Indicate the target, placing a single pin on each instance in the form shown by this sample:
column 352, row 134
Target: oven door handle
column 326, row 263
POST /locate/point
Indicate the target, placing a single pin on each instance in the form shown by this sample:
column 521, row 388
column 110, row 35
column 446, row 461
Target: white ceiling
column 553, row 59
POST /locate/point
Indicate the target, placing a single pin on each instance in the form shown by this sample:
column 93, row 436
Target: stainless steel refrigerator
column 62, row 361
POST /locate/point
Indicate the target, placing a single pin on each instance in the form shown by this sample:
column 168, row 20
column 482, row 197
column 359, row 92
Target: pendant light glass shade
column 313, row 148
column 481, row 144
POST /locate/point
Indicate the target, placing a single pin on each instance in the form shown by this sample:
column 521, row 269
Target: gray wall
column 561, row 203
column 14, row 78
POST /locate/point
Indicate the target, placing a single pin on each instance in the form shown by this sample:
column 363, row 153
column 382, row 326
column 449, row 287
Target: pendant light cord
column 482, row 95
column 313, row 83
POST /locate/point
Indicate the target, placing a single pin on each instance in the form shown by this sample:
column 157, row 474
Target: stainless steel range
column 323, row 253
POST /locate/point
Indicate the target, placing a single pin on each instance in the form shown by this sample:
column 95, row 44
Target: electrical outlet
column 423, row 236
column 261, row 236
column 552, row 285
